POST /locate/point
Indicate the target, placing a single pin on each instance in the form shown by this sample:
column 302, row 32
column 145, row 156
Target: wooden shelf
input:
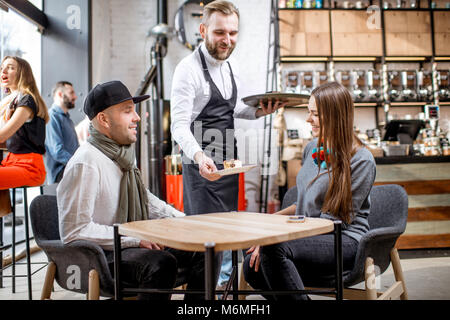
column 303, row 59
column 409, row 104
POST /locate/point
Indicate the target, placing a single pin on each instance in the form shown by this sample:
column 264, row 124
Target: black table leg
column 339, row 259
column 117, row 259
column 210, row 283
column 234, row 262
column 27, row 243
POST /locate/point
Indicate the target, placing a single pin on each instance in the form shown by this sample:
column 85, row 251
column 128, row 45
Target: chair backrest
column 44, row 218
column 289, row 198
column 388, row 207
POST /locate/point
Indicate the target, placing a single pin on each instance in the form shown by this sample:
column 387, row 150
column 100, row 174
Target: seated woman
column 334, row 183
column 23, row 126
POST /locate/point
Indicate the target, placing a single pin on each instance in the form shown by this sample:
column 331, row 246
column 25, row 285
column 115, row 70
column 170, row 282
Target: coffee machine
column 307, row 82
column 444, row 85
column 374, row 87
column 408, row 92
column 291, row 82
column 395, row 85
column 424, row 85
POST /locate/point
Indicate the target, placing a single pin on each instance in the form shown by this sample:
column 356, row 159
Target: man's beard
column 214, row 52
column 69, row 104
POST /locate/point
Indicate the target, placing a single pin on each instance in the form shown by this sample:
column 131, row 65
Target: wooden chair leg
column 243, row 285
column 94, row 286
column 48, row 282
column 370, row 278
column 398, row 272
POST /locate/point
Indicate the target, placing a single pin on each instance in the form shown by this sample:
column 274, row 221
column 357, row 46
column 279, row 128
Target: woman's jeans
column 294, row 264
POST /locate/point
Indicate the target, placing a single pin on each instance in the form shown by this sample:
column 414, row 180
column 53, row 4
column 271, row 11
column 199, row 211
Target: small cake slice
column 230, row 164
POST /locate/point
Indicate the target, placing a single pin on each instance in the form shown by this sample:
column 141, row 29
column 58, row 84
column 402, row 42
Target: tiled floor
column 427, row 275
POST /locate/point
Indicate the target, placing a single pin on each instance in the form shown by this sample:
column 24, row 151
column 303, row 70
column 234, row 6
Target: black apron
column 217, row 128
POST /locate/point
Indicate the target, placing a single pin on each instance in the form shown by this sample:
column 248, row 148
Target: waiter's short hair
column 222, row 6
column 60, row 85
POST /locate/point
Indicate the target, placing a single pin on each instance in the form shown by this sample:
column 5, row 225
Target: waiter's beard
column 214, row 52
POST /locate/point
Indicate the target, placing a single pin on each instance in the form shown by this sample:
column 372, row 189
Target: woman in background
column 334, row 183
column 23, row 126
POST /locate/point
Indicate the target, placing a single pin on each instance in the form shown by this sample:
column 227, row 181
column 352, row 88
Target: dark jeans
column 156, row 269
column 294, row 264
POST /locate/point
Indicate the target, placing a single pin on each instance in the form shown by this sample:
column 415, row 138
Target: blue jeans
column 227, row 266
column 294, row 264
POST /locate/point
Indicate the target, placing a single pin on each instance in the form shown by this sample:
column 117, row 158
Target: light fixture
column 162, row 30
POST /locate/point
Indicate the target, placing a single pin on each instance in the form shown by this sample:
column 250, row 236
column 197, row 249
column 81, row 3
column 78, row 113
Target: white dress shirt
column 88, row 200
column 191, row 93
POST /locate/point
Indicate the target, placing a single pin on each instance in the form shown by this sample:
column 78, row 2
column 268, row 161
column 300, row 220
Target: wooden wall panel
column 304, row 33
column 408, row 33
column 442, row 33
column 428, row 189
column 442, row 44
column 318, row 44
column 352, row 36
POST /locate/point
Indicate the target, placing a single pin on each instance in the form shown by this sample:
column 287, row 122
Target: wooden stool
column 13, row 244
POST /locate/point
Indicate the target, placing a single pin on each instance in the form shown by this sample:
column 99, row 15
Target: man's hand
column 206, row 167
column 255, row 258
column 269, row 108
column 150, row 245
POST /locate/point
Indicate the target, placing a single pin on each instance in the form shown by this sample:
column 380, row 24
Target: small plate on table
column 227, row 172
column 292, row 99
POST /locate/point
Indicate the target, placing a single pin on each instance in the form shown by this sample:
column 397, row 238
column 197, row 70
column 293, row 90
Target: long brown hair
column 336, row 113
column 26, row 84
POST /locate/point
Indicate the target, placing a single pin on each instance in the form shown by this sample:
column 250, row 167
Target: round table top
column 227, row 230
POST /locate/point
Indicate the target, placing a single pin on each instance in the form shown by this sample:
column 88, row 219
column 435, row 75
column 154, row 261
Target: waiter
column 204, row 102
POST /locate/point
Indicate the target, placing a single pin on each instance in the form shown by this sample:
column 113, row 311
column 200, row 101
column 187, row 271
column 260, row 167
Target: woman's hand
column 255, row 258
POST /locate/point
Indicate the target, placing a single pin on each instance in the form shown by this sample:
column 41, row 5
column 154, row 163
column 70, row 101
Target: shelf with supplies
column 407, row 51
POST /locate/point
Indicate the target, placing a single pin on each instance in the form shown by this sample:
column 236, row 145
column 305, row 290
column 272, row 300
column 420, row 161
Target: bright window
column 19, row 37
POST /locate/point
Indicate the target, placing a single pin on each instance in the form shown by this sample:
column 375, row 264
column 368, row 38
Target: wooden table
column 225, row 231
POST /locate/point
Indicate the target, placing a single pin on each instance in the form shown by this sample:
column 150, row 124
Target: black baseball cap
column 107, row 94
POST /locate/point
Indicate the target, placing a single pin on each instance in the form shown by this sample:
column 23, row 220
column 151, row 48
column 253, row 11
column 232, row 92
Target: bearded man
column 61, row 140
column 204, row 102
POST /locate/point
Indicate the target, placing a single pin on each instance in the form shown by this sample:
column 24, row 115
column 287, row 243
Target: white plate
column 227, row 172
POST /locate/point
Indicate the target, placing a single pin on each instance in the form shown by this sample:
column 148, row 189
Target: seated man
column 61, row 139
column 102, row 186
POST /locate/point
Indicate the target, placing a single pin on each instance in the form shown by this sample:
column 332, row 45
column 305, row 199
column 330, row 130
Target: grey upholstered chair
column 387, row 221
column 79, row 266
column 80, row 258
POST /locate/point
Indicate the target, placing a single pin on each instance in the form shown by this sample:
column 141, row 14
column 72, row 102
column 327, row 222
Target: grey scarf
column 133, row 195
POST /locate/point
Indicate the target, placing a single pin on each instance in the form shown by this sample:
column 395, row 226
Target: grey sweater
column 311, row 197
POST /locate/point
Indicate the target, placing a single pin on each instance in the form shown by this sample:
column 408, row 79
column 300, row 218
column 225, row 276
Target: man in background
column 61, row 140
